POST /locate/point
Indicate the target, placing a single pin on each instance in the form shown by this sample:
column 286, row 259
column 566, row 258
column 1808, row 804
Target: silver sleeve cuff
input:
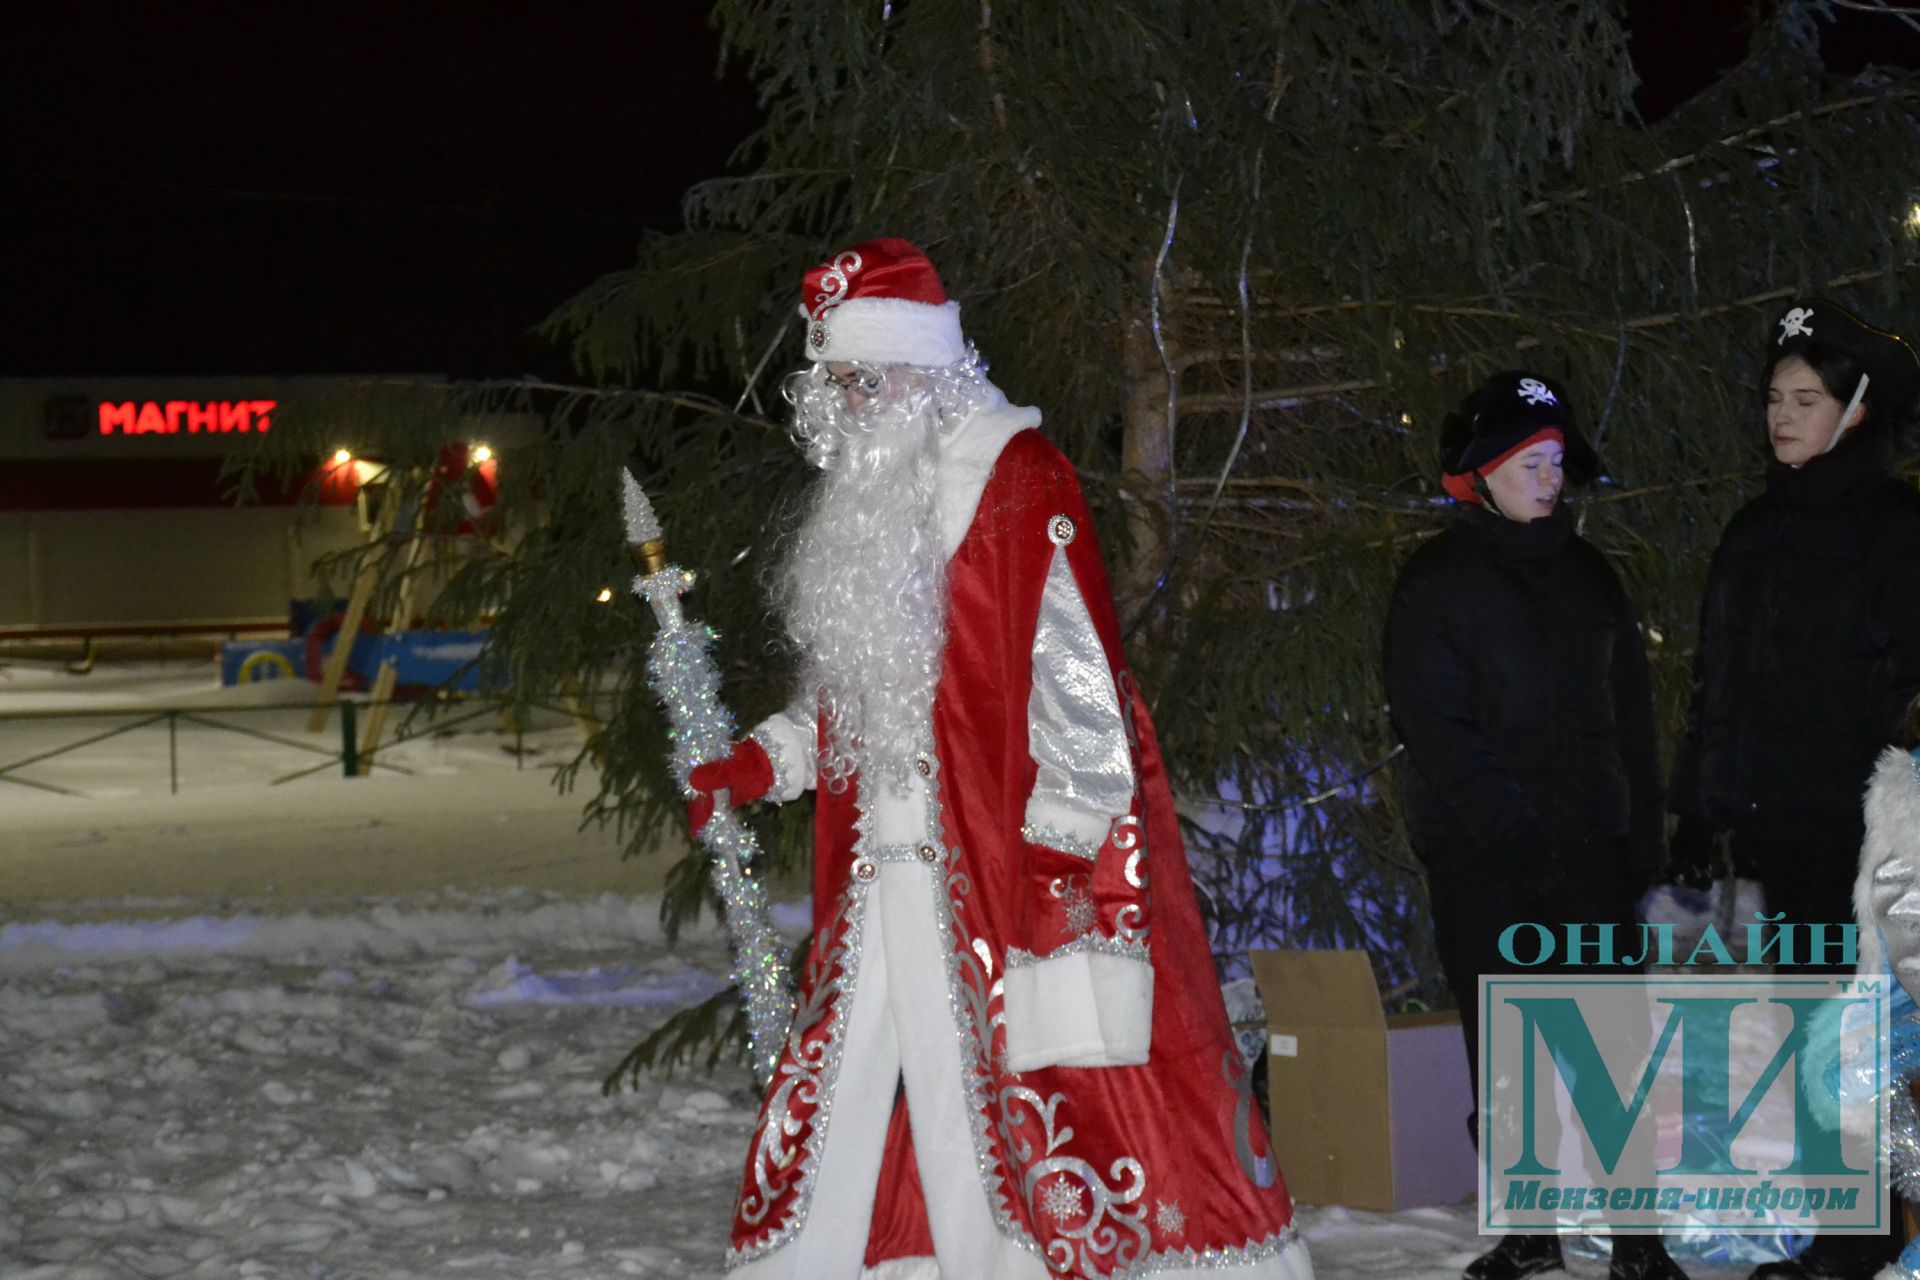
column 1074, row 727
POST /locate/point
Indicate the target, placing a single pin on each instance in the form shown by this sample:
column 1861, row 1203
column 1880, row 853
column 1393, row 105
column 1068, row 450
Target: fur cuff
column 792, row 749
column 1073, row 831
column 1081, row 1008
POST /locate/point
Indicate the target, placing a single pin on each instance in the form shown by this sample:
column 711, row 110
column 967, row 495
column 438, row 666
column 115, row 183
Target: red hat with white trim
column 880, row 302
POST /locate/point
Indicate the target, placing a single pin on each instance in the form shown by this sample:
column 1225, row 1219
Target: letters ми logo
column 1651, row 1103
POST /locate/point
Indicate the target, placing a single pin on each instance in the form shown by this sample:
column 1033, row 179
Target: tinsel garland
column 681, row 671
column 1856, row 1083
column 1854, row 1076
column 1903, row 1121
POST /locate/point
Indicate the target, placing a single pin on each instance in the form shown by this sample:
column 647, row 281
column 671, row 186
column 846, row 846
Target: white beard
column 862, row 586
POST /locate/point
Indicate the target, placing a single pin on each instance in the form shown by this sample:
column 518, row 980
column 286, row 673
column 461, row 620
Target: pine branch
column 1698, row 482
column 1879, row 8
column 1269, row 397
column 677, row 399
column 1403, row 137
column 717, row 1024
column 1844, row 280
column 1680, row 162
column 1194, row 358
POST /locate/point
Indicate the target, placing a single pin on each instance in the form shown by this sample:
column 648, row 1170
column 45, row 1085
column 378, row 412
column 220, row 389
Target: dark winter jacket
column 1518, row 683
column 1809, row 650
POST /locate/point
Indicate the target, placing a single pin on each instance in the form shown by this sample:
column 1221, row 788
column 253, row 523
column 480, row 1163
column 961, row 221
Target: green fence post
column 349, row 740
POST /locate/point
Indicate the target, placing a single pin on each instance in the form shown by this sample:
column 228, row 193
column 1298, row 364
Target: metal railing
column 347, row 756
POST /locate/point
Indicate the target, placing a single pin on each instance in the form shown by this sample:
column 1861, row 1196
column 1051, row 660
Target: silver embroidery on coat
column 1020, row 958
column 818, row 1074
column 807, row 1075
column 977, row 1002
column 1130, row 837
column 1262, row 1171
column 1059, row 841
column 1110, row 1233
column 1080, row 914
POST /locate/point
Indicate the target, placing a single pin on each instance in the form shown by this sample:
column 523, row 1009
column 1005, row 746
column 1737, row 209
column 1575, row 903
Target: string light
column 605, row 596
column 482, row 454
column 341, row 457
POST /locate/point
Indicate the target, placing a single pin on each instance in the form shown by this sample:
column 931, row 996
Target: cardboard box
column 1366, row 1110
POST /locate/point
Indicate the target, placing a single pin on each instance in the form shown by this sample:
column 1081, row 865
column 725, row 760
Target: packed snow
column 292, row 1062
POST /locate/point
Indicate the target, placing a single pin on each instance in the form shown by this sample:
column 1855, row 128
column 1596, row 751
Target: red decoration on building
column 472, row 473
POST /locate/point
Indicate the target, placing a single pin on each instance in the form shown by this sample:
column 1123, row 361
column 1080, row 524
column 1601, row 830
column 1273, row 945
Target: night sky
column 386, row 187
column 337, row 187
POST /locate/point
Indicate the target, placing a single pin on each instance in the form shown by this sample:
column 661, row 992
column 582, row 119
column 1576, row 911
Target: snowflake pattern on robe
column 1081, row 913
column 1063, row 1199
column 1169, row 1219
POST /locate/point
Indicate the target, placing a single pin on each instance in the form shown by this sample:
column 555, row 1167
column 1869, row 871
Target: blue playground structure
column 446, row 661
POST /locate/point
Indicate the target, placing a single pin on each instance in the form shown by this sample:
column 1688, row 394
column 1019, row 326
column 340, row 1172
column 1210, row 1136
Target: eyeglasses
column 865, row 381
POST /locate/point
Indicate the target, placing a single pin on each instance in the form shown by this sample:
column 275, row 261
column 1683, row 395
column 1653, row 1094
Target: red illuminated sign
column 192, row 417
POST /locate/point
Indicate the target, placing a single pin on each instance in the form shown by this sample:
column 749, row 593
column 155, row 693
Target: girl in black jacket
column 1518, row 683
column 1809, row 650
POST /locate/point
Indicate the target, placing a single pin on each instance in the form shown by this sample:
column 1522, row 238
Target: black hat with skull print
column 1890, row 371
column 1499, row 417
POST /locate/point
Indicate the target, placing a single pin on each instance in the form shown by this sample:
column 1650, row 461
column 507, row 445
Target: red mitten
column 745, row 775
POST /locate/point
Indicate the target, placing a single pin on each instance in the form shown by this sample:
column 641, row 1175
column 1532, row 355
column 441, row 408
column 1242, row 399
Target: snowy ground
column 477, row 808
column 409, row 1090
column 412, row 1091
column 389, row 1065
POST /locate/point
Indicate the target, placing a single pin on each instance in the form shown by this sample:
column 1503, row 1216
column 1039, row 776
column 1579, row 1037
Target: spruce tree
column 1244, row 254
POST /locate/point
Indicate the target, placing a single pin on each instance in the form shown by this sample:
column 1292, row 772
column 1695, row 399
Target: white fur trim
column 1082, row 1009
column 967, row 456
column 1893, row 828
column 1291, row 1263
column 887, row 331
column 1892, row 813
column 1076, row 824
column 796, row 739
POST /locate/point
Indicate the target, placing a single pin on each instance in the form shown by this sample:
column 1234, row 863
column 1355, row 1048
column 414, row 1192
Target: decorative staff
column 681, row 671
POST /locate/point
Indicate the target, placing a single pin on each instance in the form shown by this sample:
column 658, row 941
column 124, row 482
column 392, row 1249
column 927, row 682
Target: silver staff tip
column 643, row 526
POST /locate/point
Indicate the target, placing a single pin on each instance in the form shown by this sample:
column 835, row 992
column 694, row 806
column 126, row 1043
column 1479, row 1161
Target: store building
column 117, row 515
